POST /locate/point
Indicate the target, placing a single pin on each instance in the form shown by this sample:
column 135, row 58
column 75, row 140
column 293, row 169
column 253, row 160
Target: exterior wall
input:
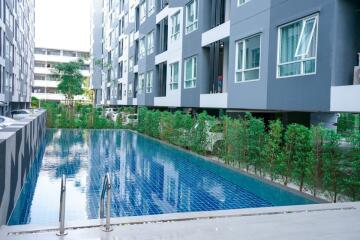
column 338, row 43
column 303, row 93
column 19, row 146
column 44, row 61
column 251, row 94
column 17, row 53
column 96, row 49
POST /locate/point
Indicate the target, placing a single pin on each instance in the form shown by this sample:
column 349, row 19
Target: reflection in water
column 147, row 178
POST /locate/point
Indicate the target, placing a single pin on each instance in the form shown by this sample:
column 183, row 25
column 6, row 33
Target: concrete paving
column 322, row 221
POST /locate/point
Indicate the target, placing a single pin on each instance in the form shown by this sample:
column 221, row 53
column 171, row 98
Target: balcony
column 346, row 98
column 216, row 34
column 218, row 100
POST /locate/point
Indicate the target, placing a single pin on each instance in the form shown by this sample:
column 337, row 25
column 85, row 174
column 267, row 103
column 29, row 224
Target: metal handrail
column 106, row 189
column 62, row 207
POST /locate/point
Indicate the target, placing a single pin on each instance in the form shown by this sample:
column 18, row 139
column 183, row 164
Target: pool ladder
column 106, row 189
column 62, row 207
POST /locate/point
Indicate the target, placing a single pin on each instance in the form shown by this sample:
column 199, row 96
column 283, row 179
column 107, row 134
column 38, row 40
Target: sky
column 62, row 24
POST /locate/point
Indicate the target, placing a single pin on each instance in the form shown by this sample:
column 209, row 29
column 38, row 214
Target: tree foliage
column 273, row 153
column 71, row 80
column 332, row 166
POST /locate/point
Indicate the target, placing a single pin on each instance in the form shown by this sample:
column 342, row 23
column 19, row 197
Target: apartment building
column 269, row 56
column 96, row 50
column 45, row 82
column 16, row 53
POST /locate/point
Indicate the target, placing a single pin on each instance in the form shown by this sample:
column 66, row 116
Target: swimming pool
column 147, row 178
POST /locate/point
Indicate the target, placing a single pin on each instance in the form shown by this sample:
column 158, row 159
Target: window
column 121, row 48
column 150, row 43
column 39, row 77
column 190, row 72
column 163, row 4
column 149, row 81
column 247, row 59
column 175, row 26
column 151, row 7
column 69, row 53
column 126, row 20
column 108, row 93
column 297, row 47
column 41, row 51
column 131, row 64
column 130, row 87
column 141, row 83
column 163, row 35
column 120, row 69
column 121, row 27
column 53, row 52
column 241, row 2
column 142, row 12
column 119, row 93
column 131, row 39
column 132, row 14
column 174, row 76
column 125, row 66
column 191, row 16
column 142, row 48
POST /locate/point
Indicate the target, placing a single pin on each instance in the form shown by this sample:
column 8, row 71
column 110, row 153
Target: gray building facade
column 17, row 31
column 96, row 50
column 238, row 55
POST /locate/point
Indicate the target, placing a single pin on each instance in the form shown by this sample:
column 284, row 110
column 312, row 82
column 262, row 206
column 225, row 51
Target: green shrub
column 352, row 178
column 332, row 165
column 297, row 155
column 273, row 153
column 199, row 133
column 231, row 141
column 256, row 134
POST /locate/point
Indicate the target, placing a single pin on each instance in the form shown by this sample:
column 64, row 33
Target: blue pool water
column 147, row 178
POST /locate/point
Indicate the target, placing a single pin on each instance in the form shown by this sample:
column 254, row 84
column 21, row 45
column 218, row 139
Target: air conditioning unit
column 357, row 73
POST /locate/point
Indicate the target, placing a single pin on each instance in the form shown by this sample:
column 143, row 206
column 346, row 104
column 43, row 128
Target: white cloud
column 63, row 24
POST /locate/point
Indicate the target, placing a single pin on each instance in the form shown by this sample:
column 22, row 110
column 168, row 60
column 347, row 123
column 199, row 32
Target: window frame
column 175, row 35
column 243, row 70
column 151, row 10
column 150, row 49
column 142, row 50
column 196, row 21
column 141, row 83
column 239, row 4
column 142, row 7
column 172, row 83
column 149, row 81
column 304, row 59
column 194, row 72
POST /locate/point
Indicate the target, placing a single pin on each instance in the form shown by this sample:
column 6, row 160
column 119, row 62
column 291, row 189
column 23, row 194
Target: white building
column 45, row 83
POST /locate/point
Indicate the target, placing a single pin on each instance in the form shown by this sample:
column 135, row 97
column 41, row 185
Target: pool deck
column 320, row 221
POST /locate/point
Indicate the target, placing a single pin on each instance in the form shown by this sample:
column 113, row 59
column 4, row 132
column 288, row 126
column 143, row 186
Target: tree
column 317, row 142
column 297, row 154
column 352, row 180
column 199, row 133
column 244, row 141
column 273, row 150
column 332, row 167
column 88, row 92
column 231, row 141
column 35, row 102
column 256, row 133
column 71, row 80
